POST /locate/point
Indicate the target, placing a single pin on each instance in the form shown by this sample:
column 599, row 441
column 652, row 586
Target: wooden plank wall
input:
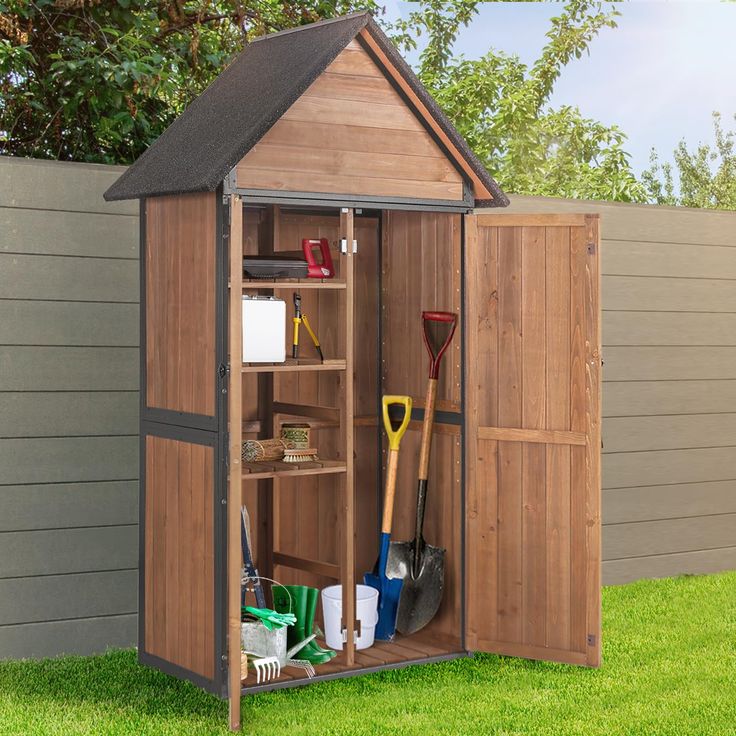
column 68, row 410
column 179, row 586
column 180, row 299
column 421, row 258
column 669, row 387
column 351, row 133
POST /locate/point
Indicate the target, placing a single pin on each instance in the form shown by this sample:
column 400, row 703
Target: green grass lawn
column 669, row 667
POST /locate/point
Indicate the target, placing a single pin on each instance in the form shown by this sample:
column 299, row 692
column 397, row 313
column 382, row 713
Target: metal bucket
column 256, row 639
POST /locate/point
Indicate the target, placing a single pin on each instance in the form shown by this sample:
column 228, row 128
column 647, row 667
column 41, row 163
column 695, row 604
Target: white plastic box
column 264, row 329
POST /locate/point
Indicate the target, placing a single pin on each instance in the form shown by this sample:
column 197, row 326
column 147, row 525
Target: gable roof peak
column 200, row 148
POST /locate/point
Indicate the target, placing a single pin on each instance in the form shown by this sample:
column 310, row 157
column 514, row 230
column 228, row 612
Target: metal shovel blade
column 421, row 595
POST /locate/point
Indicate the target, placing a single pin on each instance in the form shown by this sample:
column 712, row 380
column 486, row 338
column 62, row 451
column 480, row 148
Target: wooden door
column 533, row 436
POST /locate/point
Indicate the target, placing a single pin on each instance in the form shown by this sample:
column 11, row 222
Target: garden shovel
column 419, row 565
column 388, row 590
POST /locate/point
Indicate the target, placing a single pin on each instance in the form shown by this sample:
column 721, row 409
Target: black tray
column 274, row 267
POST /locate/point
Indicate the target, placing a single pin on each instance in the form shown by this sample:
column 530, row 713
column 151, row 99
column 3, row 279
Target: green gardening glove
column 271, row 619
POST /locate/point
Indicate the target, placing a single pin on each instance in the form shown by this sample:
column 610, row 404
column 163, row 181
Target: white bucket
column 366, row 611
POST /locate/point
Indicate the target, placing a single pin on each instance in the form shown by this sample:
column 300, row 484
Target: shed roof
column 198, row 150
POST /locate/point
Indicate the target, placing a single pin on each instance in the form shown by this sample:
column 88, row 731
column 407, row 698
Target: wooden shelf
column 302, row 364
column 274, row 469
column 251, row 284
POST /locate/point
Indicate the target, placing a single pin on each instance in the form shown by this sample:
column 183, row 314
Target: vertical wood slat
column 577, row 424
column 234, row 495
column 545, row 600
column 557, row 308
column 347, row 410
column 534, row 405
column 510, row 453
column 481, row 376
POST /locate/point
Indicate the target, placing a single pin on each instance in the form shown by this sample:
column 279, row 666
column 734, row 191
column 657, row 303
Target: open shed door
column 533, row 436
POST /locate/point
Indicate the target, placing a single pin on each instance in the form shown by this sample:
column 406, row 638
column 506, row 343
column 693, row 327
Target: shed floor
column 402, row 652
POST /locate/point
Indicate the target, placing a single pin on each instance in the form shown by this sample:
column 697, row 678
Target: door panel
column 533, row 437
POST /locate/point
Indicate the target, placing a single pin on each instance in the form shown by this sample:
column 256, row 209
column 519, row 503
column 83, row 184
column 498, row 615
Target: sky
column 658, row 75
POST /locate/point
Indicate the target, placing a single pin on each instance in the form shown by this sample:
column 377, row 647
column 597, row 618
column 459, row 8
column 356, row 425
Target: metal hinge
column 345, row 636
column 344, row 246
column 229, row 184
column 223, row 370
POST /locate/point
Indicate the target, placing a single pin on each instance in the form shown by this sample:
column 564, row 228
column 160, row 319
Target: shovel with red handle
column 421, row 566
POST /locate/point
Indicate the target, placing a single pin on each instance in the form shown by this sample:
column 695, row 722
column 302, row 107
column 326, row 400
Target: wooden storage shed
column 324, row 132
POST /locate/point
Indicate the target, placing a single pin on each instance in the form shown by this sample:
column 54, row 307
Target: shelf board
column 301, row 364
column 250, row 284
column 274, row 469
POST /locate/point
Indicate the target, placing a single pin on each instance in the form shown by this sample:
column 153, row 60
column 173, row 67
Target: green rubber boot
column 297, row 604
column 312, row 598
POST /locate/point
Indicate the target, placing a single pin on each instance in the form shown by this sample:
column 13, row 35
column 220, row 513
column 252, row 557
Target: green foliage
column 704, row 177
column 100, row 80
column 502, row 108
column 668, row 670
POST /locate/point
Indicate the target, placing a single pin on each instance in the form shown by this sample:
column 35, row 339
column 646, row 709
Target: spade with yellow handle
column 389, row 591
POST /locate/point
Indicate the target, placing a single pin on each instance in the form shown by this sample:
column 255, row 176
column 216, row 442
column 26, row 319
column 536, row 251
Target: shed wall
column 68, row 410
column 669, row 386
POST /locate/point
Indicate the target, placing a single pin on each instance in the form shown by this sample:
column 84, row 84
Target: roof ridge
column 324, row 22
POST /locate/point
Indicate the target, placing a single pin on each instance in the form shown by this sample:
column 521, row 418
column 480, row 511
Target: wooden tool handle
column 390, row 492
column 427, row 428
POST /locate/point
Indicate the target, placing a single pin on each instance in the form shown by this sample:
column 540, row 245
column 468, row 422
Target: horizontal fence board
column 668, row 328
column 56, row 414
column 617, row 572
column 68, row 459
column 647, row 503
column 669, row 535
column 53, row 597
column 65, row 278
column 666, row 294
column 69, row 368
column 61, row 505
column 668, row 363
column 68, row 233
column 623, row 221
column 56, row 185
column 82, row 636
column 629, row 434
column 59, row 551
column 26, row 322
column 668, row 259
column 636, row 398
column 631, row 469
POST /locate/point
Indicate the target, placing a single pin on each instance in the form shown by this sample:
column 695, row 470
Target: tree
column 100, row 80
column 704, row 177
column 502, row 107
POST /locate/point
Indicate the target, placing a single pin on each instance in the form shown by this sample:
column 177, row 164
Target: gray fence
column 68, row 410
column 69, row 401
